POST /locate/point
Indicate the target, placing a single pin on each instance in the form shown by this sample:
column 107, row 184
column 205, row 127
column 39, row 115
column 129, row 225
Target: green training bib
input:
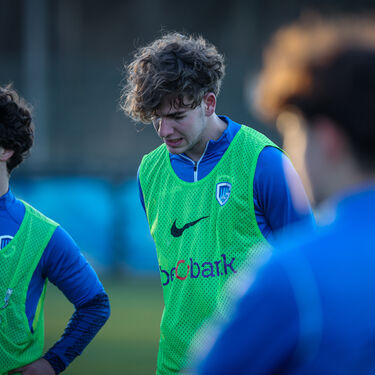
column 19, row 259
column 203, row 232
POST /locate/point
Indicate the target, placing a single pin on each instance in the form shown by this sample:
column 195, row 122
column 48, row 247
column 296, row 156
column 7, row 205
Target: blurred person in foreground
column 310, row 308
column 214, row 193
column 34, row 248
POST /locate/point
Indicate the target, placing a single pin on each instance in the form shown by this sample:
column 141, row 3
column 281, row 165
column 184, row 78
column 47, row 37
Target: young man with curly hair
column 318, row 317
column 34, row 248
column 214, row 193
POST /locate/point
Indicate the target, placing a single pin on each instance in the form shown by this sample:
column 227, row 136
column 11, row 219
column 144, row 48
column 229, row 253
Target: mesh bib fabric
column 19, row 259
column 203, row 232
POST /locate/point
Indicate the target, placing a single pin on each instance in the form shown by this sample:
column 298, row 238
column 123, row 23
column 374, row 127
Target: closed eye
column 176, row 116
column 173, row 116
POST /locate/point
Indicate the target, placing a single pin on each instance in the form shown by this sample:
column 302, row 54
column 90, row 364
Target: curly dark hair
column 176, row 65
column 16, row 130
column 324, row 68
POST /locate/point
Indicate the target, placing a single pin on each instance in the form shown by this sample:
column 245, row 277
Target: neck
column 216, row 127
column 4, row 179
column 343, row 176
column 214, row 130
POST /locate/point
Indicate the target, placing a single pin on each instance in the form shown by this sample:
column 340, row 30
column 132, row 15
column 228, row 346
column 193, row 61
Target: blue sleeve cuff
column 57, row 364
column 81, row 329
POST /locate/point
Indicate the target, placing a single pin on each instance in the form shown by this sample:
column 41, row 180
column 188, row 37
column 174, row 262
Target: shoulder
column 256, row 136
column 272, row 160
column 61, row 250
column 152, row 159
column 61, row 253
column 39, row 215
column 15, row 209
column 158, row 152
column 273, row 164
column 270, row 168
column 279, row 190
column 271, row 155
column 65, row 266
column 250, row 143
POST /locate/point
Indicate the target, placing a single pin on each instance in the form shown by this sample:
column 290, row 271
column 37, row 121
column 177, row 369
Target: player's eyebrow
column 176, row 113
column 172, row 114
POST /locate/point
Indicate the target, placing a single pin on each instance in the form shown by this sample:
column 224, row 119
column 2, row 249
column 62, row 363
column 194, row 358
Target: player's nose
column 165, row 127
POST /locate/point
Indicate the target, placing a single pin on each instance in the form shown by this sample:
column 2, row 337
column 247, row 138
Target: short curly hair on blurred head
column 324, row 68
column 178, row 66
column 16, row 129
column 296, row 53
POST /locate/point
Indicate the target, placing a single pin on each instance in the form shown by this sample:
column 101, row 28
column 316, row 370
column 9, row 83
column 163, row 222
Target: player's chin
column 175, row 150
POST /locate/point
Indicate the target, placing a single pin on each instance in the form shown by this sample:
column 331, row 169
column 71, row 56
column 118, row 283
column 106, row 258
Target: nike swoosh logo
column 177, row 232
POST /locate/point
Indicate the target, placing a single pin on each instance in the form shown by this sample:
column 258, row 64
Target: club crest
column 4, row 240
column 223, row 190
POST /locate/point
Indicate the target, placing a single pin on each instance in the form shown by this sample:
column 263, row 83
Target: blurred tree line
column 66, row 57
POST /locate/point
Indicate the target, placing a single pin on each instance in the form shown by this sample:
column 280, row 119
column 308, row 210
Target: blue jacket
column 311, row 307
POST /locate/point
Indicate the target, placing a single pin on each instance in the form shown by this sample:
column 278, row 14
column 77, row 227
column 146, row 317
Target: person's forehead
column 170, row 105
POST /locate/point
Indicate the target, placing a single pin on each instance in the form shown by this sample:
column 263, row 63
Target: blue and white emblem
column 223, row 190
column 4, row 240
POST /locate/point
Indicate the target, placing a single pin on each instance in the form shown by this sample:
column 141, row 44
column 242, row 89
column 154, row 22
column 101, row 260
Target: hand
column 39, row 367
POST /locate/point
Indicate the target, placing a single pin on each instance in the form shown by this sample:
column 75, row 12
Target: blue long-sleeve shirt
column 276, row 205
column 64, row 265
column 311, row 307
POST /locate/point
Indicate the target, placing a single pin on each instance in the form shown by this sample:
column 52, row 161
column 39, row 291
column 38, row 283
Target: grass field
column 128, row 343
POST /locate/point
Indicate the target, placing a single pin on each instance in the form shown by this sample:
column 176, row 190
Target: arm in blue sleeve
column 64, row 265
column 140, row 192
column 263, row 332
column 279, row 196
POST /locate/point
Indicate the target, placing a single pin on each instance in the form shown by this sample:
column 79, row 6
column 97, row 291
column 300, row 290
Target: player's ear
column 5, row 155
column 209, row 103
